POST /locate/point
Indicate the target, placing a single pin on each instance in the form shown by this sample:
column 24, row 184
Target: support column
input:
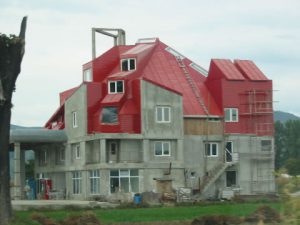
column 146, row 156
column 102, row 150
column 17, row 193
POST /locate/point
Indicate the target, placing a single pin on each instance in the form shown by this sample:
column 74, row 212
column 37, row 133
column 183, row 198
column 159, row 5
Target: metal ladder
column 192, row 84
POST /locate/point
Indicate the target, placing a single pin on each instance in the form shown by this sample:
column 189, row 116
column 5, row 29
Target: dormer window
column 128, row 64
column 116, row 87
column 87, row 75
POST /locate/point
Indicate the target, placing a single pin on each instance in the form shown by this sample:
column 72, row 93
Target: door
column 113, row 151
column 231, row 178
column 228, row 151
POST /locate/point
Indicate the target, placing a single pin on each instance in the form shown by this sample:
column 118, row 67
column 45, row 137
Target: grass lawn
column 178, row 213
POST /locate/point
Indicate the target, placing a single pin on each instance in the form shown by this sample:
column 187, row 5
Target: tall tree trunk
column 11, row 54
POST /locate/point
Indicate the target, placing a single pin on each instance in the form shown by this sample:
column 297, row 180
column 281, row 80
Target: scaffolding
column 257, row 106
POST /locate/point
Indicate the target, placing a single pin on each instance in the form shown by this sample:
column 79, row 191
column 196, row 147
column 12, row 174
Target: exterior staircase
column 213, row 175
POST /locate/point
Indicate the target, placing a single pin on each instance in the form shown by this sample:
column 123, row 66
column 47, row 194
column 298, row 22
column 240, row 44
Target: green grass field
column 177, row 213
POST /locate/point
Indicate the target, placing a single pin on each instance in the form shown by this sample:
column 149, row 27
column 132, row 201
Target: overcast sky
column 58, row 41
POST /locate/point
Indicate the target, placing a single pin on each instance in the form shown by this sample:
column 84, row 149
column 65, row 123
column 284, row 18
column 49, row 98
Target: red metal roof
column 229, row 71
column 164, row 69
column 112, row 98
column 250, row 70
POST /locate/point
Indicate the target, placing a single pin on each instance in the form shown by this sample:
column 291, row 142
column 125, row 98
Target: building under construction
column 147, row 118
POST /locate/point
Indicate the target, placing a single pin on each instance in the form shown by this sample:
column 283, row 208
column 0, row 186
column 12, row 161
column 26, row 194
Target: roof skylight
column 146, row 40
column 174, row 52
column 199, row 69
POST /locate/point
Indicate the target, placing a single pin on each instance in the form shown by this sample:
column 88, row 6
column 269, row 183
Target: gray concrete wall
column 153, row 96
column 76, row 102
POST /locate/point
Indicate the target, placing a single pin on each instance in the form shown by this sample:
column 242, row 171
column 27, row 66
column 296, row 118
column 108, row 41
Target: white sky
column 58, row 41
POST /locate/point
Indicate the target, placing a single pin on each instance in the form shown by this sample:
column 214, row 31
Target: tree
column 11, row 55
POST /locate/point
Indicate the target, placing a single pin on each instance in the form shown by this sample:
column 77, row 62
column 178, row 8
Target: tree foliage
column 287, row 144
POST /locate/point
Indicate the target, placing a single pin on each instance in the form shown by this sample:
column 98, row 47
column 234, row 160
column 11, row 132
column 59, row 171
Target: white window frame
column 74, row 119
column 162, row 143
column 77, row 182
column 210, row 150
column 95, row 182
column 128, row 64
column 77, row 151
column 230, row 113
column 115, row 82
column 87, row 75
column 124, row 173
column 163, row 116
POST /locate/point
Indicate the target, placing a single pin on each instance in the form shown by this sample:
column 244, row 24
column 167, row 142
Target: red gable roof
column 228, row 69
column 250, row 70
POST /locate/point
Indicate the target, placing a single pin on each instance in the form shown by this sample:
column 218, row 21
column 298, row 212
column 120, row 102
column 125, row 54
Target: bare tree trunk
column 11, row 54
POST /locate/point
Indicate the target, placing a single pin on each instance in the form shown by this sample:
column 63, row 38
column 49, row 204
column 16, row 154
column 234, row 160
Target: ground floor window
column 95, row 181
column 77, row 182
column 124, row 181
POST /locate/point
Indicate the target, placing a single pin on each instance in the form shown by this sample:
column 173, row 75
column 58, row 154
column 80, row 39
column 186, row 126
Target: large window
column 231, row 115
column 162, row 148
column 124, row 181
column 116, row 87
column 95, row 181
column 128, row 64
column 163, row 114
column 109, row 115
column 77, row 182
column 211, row 149
column 74, row 119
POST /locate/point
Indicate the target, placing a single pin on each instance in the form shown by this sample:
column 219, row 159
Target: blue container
column 137, row 199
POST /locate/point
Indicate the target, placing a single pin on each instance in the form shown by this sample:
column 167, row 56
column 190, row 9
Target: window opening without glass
column 109, row 115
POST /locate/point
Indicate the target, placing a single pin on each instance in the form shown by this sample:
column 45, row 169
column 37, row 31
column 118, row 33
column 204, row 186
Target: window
column 43, row 157
column 211, row 149
column 76, row 180
column 174, row 52
column 163, row 114
column 109, row 115
column 266, row 145
column 116, row 87
column 162, row 148
column 128, row 64
column 199, row 69
column 60, row 155
column 74, row 119
column 124, row 181
column 87, row 75
column 77, row 151
column 95, row 181
column 231, row 115
column 228, row 151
